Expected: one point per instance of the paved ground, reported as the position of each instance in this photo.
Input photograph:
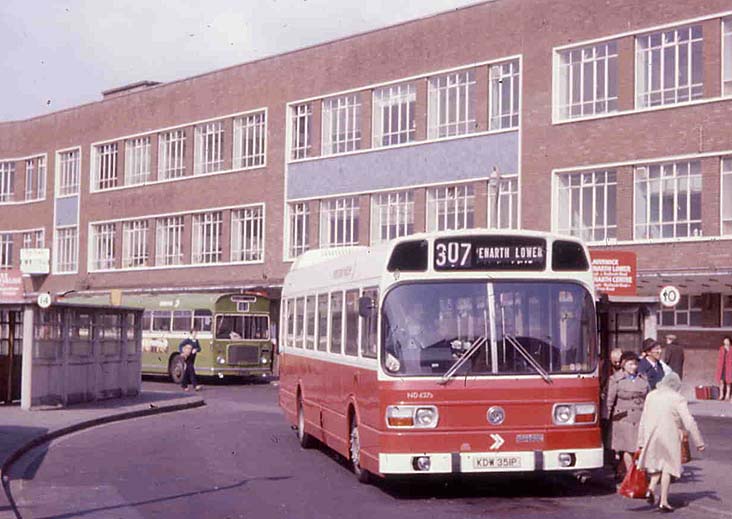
(236, 457)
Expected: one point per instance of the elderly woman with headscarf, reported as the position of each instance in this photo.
(665, 418)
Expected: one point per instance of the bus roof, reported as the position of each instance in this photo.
(168, 301)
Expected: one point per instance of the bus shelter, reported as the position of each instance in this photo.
(68, 353)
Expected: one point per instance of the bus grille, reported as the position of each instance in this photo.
(243, 355)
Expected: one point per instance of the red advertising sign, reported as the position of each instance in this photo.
(614, 272)
(11, 286)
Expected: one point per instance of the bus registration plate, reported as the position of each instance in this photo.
(496, 462)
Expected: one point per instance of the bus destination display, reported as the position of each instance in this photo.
(490, 253)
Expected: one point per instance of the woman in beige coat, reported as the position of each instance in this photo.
(665, 418)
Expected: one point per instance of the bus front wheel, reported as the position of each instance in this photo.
(306, 440)
(176, 368)
(362, 474)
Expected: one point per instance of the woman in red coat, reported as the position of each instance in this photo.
(724, 369)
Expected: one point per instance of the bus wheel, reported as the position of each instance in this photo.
(176, 368)
(362, 474)
(306, 440)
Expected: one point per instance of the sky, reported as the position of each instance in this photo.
(56, 54)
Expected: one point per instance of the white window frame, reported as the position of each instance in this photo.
(247, 234)
(577, 96)
(726, 310)
(727, 56)
(725, 225)
(394, 115)
(250, 140)
(689, 306)
(209, 155)
(301, 117)
(680, 173)
(578, 190)
(341, 124)
(298, 229)
(35, 178)
(505, 95)
(450, 207)
(172, 154)
(34, 239)
(503, 203)
(102, 246)
(169, 240)
(68, 172)
(137, 160)
(6, 250)
(206, 237)
(104, 166)
(7, 181)
(657, 47)
(392, 215)
(66, 250)
(135, 252)
(339, 222)
(451, 101)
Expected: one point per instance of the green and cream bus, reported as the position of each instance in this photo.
(233, 330)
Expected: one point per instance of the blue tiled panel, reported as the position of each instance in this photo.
(67, 209)
(444, 161)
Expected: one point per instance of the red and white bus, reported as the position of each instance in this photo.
(448, 352)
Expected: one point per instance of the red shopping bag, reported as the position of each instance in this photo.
(635, 483)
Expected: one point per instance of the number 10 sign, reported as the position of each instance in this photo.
(670, 296)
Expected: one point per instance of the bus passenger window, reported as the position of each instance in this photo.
(368, 326)
(310, 322)
(290, 326)
(202, 320)
(161, 321)
(182, 320)
(322, 338)
(146, 320)
(299, 321)
(336, 322)
(352, 323)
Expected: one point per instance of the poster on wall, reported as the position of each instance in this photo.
(614, 272)
(11, 286)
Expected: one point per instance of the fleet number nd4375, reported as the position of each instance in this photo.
(417, 395)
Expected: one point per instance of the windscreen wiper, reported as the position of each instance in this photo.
(526, 355)
(480, 341)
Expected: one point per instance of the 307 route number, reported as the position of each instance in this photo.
(453, 254)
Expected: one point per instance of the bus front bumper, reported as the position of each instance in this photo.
(488, 462)
(235, 372)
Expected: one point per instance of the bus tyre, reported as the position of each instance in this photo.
(306, 440)
(354, 448)
(176, 368)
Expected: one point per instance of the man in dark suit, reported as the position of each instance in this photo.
(651, 366)
(673, 355)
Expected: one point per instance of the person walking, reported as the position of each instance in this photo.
(188, 349)
(664, 419)
(724, 369)
(651, 366)
(626, 394)
(673, 355)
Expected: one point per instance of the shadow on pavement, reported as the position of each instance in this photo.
(213, 381)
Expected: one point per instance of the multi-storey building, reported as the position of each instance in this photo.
(610, 121)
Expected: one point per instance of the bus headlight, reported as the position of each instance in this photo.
(264, 359)
(221, 360)
(568, 414)
(411, 416)
(563, 414)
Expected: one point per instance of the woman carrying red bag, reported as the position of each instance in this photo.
(723, 375)
(665, 418)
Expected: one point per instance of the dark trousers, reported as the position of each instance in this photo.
(189, 375)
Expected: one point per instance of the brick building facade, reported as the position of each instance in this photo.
(607, 120)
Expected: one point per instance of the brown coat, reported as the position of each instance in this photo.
(665, 416)
(625, 397)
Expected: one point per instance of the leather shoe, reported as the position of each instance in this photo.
(650, 498)
(666, 509)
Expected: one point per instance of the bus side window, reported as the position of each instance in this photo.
(146, 320)
(336, 322)
(352, 322)
(290, 324)
(202, 320)
(182, 320)
(368, 325)
(299, 320)
(322, 338)
(161, 320)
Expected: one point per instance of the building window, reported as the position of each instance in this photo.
(209, 148)
(339, 222)
(394, 115)
(451, 100)
(103, 237)
(6, 250)
(34, 239)
(450, 208)
(588, 81)
(250, 133)
(727, 310)
(505, 95)
(134, 244)
(503, 203)
(171, 154)
(727, 196)
(35, 179)
(669, 67)
(67, 249)
(206, 244)
(302, 131)
(668, 200)
(7, 181)
(105, 166)
(247, 234)
(69, 168)
(586, 205)
(341, 124)
(169, 240)
(687, 313)
(392, 215)
(727, 58)
(137, 161)
(299, 228)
